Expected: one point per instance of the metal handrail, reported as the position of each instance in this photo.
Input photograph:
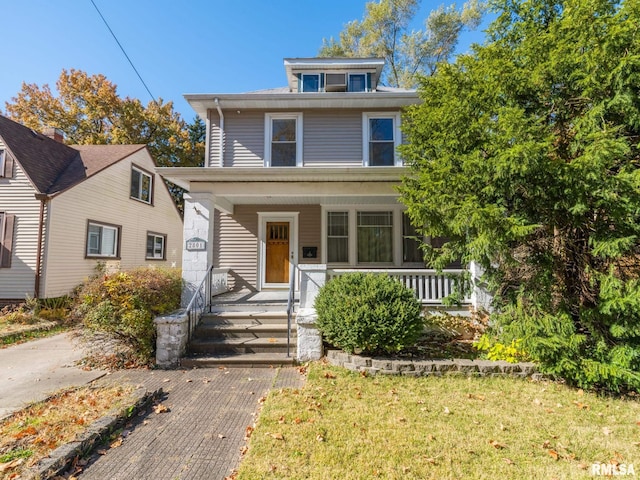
(290, 303)
(199, 301)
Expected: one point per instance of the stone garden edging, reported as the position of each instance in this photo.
(420, 368)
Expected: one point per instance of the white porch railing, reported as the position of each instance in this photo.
(429, 285)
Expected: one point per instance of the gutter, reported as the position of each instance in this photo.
(217, 102)
(43, 197)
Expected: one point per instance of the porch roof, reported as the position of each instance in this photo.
(289, 185)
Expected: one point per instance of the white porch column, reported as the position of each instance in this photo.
(480, 296)
(312, 278)
(198, 224)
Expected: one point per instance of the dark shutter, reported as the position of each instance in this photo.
(8, 165)
(6, 230)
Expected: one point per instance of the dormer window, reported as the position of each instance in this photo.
(310, 82)
(357, 82)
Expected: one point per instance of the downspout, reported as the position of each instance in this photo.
(221, 146)
(43, 200)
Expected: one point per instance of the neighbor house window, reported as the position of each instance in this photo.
(411, 252)
(141, 185)
(381, 137)
(103, 240)
(338, 237)
(6, 164)
(283, 140)
(310, 82)
(156, 246)
(357, 82)
(375, 237)
(6, 238)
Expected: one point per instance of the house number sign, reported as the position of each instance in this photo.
(196, 244)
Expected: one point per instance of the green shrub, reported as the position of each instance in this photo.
(368, 313)
(124, 305)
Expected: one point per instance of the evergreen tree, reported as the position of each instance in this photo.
(525, 155)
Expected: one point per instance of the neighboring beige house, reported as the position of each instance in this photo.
(64, 209)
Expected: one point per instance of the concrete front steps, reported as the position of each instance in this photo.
(248, 336)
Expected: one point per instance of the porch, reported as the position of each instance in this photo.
(276, 327)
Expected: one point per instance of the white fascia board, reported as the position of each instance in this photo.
(201, 103)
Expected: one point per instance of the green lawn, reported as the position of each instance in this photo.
(342, 425)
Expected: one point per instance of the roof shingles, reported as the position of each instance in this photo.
(53, 167)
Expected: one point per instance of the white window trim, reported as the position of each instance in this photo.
(146, 174)
(397, 135)
(353, 233)
(367, 87)
(268, 123)
(3, 155)
(115, 228)
(311, 74)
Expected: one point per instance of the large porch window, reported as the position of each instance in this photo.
(375, 237)
(370, 236)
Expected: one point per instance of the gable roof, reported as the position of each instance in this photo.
(53, 167)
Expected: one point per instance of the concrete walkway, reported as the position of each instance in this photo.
(31, 371)
(201, 435)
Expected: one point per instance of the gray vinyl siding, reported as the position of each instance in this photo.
(17, 198)
(244, 139)
(236, 239)
(332, 139)
(214, 139)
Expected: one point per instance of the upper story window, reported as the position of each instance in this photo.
(381, 137)
(357, 82)
(6, 238)
(6, 164)
(141, 185)
(283, 139)
(310, 82)
(103, 240)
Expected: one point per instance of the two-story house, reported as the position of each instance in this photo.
(64, 209)
(303, 175)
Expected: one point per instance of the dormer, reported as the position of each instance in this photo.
(325, 74)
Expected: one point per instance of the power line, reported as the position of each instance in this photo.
(123, 51)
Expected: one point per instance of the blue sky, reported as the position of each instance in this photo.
(188, 46)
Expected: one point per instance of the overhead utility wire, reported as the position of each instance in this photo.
(123, 51)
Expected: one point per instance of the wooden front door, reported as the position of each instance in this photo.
(277, 255)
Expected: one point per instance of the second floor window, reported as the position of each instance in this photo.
(283, 145)
(381, 137)
(2, 155)
(141, 185)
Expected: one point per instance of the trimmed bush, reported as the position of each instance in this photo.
(368, 314)
(124, 305)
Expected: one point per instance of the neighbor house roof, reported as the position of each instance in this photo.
(53, 167)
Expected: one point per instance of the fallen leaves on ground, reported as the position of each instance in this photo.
(160, 408)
